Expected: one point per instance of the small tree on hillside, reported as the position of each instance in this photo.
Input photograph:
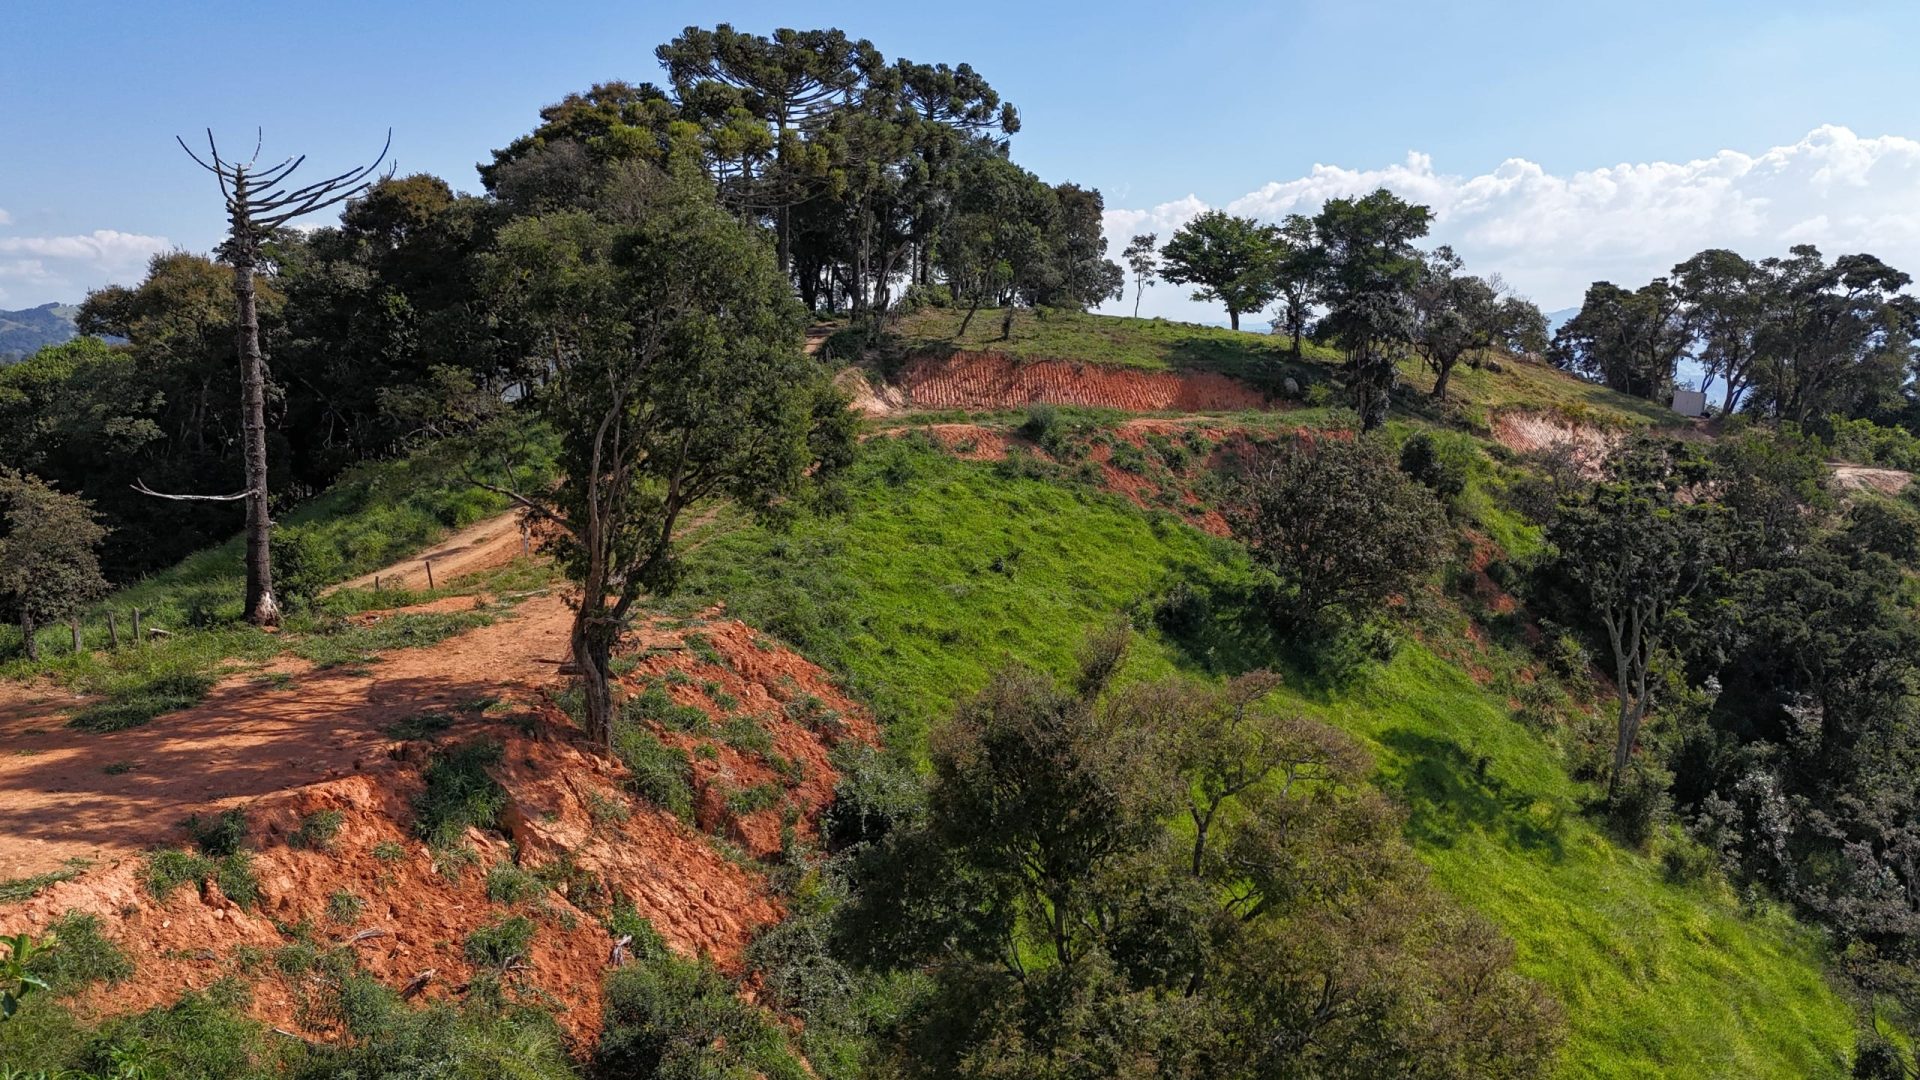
(48, 569)
(1230, 258)
(1143, 258)
(1454, 313)
(1635, 552)
(1370, 271)
(676, 374)
(1339, 525)
(1299, 275)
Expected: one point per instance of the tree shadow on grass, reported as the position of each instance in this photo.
(1448, 790)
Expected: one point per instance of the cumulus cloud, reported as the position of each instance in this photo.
(1550, 235)
(37, 269)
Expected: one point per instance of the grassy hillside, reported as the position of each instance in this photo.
(1156, 344)
(946, 568)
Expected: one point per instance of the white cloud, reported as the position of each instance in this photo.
(5, 218)
(1551, 235)
(64, 268)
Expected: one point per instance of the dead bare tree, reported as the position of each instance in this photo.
(259, 202)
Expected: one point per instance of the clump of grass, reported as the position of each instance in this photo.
(508, 884)
(317, 830)
(119, 768)
(343, 906)
(754, 799)
(745, 734)
(700, 646)
(142, 700)
(500, 943)
(80, 956)
(167, 869)
(219, 834)
(653, 704)
(424, 726)
(17, 889)
(389, 851)
(606, 808)
(660, 773)
(238, 883)
(459, 794)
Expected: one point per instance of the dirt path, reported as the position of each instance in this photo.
(59, 801)
(480, 546)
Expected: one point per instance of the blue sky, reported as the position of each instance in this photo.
(1517, 116)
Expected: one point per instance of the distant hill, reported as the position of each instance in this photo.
(23, 333)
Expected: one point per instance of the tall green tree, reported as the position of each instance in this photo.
(1143, 260)
(1299, 275)
(1371, 269)
(1637, 549)
(1230, 258)
(676, 375)
(1629, 341)
(1842, 338)
(1726, 303)
(1453, 314)
(49, 569)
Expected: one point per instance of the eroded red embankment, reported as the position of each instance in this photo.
(970, 380)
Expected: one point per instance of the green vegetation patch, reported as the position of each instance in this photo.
(459, 793)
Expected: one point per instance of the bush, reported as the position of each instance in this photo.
(304, 562)
(343, 906)
(671, 1017)
(459, 794)
(1440, 466)
(508, 884)
(1641, 807)
(169, 868)
(660, 773)
(877, 794)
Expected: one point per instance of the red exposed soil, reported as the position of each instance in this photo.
(322, 742)
(969, 380)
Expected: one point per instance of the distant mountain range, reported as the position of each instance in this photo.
(23, 333)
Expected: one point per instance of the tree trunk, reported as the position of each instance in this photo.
(592, 654)
(262, 609)
(1138, 292)
(1732, 398)
(968, 321)
(1006, 324)
(27, 634)
(1440, 383)
(1296, 338)
(1233, 318)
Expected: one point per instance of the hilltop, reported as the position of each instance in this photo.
(25, 332)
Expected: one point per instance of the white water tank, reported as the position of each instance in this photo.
(1689, 403)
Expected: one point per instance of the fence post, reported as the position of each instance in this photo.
(429, 563)
(74, 625)
(137, 639)
(113, 631)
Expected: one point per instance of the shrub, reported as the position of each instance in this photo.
(459, 794)
(745, 734)
(1439, 465)
(606, 808)
(671, 1017)
(304, 562)
(389, 851)
(317, 830)
(238, 883)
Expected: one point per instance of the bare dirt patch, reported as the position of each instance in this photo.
(483, 545)
(1864, 478)
(1530, 432)
(969, 380)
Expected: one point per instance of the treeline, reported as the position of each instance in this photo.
(1793, 338)
(1352, 275)
(871, 176)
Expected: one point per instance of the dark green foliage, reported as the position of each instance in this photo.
(344, 907)
(1437, 463)
(1368, 270)
(169, 868)
(80, 956)
(1628, 340)
(656, 705)
(143, 700)
(48, 566)
(666, 1016)
(317, 830)
(17, 889)
(1070, 929)
(660, 773)
(304, 562)
(458, 794)
(217, 835)
(500, 943)
(1338, 525)
(1231, 260)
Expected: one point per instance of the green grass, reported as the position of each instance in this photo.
(944, 569)
(15, 890)
(459, 793)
